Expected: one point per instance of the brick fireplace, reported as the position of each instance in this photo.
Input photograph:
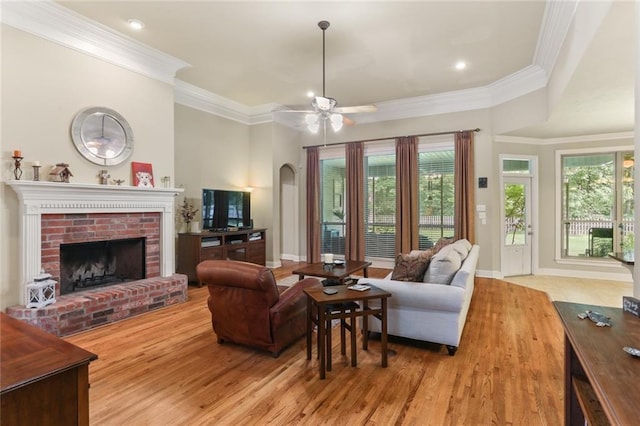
(55, 214)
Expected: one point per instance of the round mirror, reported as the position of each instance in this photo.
(102, 136)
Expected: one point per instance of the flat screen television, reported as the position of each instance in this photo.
(223, 209)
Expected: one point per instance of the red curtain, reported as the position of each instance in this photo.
(313, 205)
(354, 244)
(464, 217)
(407, 218)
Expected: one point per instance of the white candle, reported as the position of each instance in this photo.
(328, 258)
(36, 163)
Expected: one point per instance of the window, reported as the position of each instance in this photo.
(380, 202)
(597, 203)
(332, 212)
(436, 194)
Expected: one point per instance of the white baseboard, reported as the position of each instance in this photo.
(291, 257)
(488, 274)
(274, 264)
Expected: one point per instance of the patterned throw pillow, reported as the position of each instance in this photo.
(411, 268)
(441, 243)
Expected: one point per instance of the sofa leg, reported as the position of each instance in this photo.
(452, 350)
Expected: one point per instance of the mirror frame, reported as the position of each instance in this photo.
(81, 125)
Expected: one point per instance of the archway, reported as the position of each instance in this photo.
(289, 222)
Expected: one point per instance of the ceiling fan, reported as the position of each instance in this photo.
(325, 108)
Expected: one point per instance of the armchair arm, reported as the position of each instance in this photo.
(292, 301)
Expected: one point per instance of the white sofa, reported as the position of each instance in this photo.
(427, 311)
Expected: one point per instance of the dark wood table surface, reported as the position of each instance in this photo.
(42, 377)
(317, 313)
(595, 354)
(337, 272)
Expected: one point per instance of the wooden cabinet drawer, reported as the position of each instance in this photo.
(211, 253)
(256, 253)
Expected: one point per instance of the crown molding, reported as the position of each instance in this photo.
(604, 137)
(556, 22)
(195, 97)
(53, 22)
(520, 83)
(60, 25)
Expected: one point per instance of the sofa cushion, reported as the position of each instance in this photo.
(411, 268)
(443, 266)
(462, 247)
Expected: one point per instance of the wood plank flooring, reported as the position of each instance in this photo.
(165, 368)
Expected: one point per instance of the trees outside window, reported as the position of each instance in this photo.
(435, 196)
(597, 206)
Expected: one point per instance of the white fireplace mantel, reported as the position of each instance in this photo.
(40, 197)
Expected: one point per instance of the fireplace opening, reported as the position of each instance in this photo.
(101, 263)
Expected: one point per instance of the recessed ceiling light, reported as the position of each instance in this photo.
(136, 24)
(310, 94)
(460, 65)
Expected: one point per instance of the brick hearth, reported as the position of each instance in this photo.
(83, 310)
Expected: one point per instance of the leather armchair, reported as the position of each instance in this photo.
(247, 308)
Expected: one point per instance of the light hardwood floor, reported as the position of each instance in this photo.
(578, 290)
(165, 368)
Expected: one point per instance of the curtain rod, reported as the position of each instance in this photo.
(450, 132)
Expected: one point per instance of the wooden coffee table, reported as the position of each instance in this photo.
(333, 272)
(323, 308)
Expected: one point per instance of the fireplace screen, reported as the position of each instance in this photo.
(101, 263)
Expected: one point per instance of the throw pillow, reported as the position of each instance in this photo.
(440, 244)
(411, 268)
(443, 267)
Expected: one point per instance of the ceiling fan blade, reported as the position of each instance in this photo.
(294, 108)
(347, 121)
(356, 109)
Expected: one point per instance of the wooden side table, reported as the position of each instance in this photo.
(321, 311)
(334, 272)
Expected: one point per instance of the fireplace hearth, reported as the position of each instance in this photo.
(101, 263)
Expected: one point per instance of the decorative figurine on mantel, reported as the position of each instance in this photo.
(103, 177)
(61, 173)
(36, 170)
(17, 159)
(118, 181)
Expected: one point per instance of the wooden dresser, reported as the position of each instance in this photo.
(601, 380)
(44, 380)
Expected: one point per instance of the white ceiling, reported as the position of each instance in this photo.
(264, 52)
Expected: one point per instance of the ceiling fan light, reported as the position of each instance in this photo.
(313, 123)
(336, 122)
(324, 104)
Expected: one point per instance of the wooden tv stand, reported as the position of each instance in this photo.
(247, 245)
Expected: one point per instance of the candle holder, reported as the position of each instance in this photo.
(36, 172)
(17, 171)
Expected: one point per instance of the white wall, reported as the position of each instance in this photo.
(44, 85)
(210, 152)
